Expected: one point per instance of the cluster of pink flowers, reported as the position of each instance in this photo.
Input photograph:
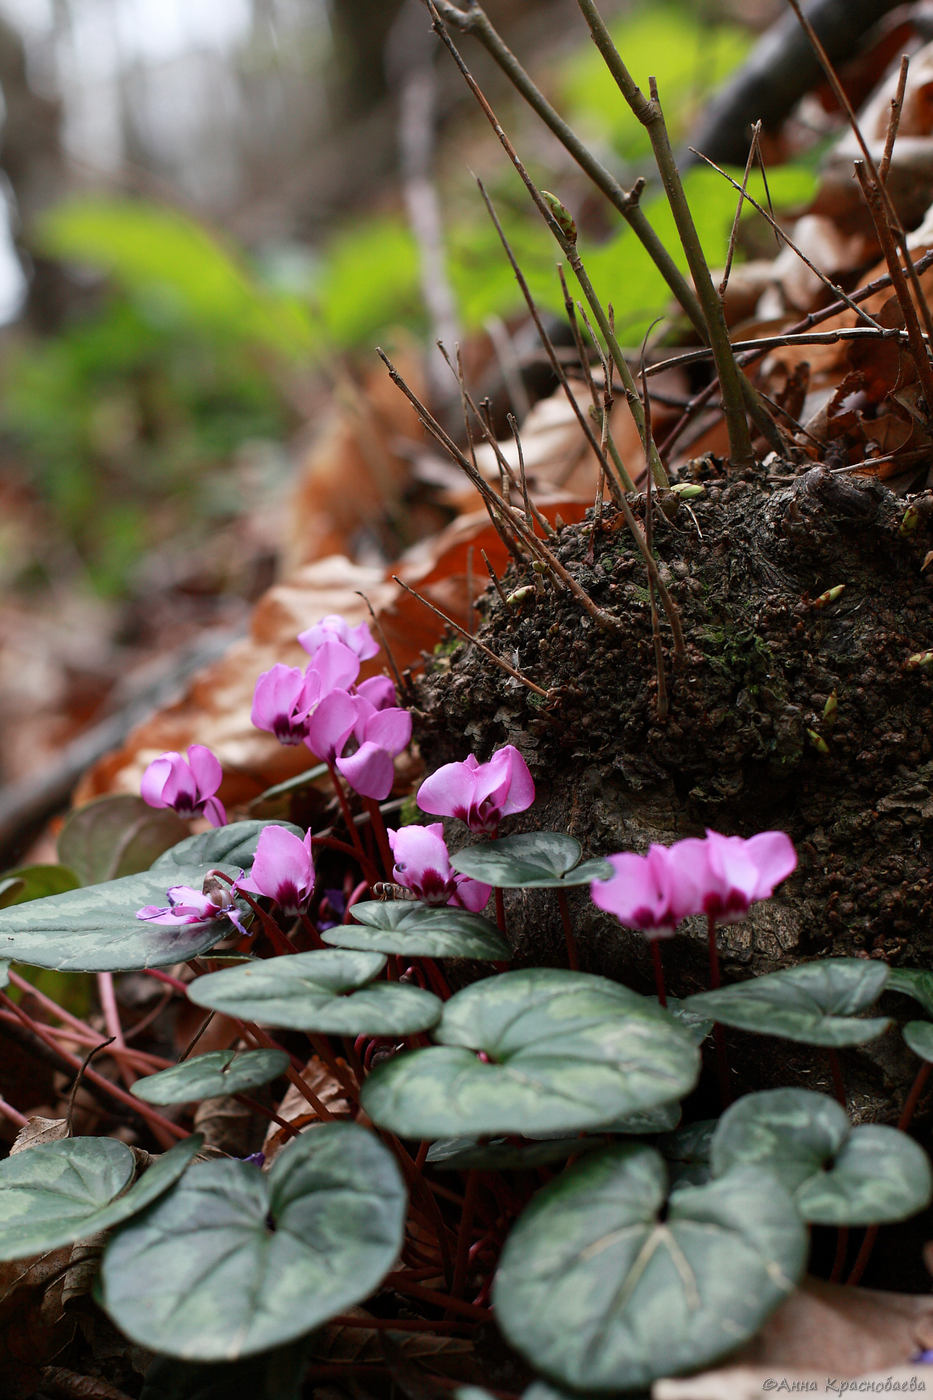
(719, 876)
(357, 728)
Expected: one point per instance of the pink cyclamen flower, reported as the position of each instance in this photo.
(651, 892)
(730, 872)
(282, 870)
(186, 786)
(422, 865)
(334, 627)
(381, 736)
(285, 696)
(480, 794)
(189, 906)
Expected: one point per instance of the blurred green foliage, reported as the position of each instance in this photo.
(126, 415)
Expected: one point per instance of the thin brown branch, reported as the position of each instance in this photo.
(503, 665)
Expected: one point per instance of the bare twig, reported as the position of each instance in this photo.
(503, 665)
(743, 191)
(649, 113)
(894, 120)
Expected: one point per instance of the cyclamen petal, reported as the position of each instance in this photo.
(370, 771)
(379, 691)
(734, 872)
(359, 639)
(336, 666)
(283, 870)
(331, 725)
(480, 794)
(422, 865)
(190, 906)
(282, 701)
(186, 786)
(651, 892)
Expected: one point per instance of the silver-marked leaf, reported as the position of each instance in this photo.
(795, 1132)
(233, 845)
(420, 931)
(919, 1037)
(535, 1051)
(117, 835)
(878, 1176)
(837, 1174)
(324, 991)
(914, 982)
(606, 1283)
(541, 859)
(95, 929)
(35, 882)
(209, 1076)
(235, 1261)
(815, 1003)
(58, 1192)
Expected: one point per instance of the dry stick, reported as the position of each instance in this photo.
(434, 428)
(670, 607)
(874, 198)
(894, 120)
(504, 665)
(896, 227)
(566, 242)
(475, 21)
(601, 411)
(399, 684)
(531, 510)
(743, 191)
(495, 578)
(750, 351)
(505, 513)
(789, 242)
(662, 700)
(648, 111)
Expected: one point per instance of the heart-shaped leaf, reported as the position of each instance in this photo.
(541, 859)
(319, 991)
(837, 1174)
(58, 1192)
(35, 882)
(687, 1152)
(535, 1051)
(815, 1003)
(95, 929)
(209, 1076)
(919, 1037)
(914, 982)
(233, 845)
(420, 931)
(118, 835)
(607, 1284)
(235, 1261)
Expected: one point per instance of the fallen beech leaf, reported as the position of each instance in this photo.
(37, 1131)
(296, 1110)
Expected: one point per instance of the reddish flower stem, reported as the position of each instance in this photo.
(573, 962)
(379, 830)
(164, 1131)
(658, 965)
(719, 1033)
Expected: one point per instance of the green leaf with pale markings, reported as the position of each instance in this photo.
(561, 1051)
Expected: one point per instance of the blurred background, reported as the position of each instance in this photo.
(213, 210)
